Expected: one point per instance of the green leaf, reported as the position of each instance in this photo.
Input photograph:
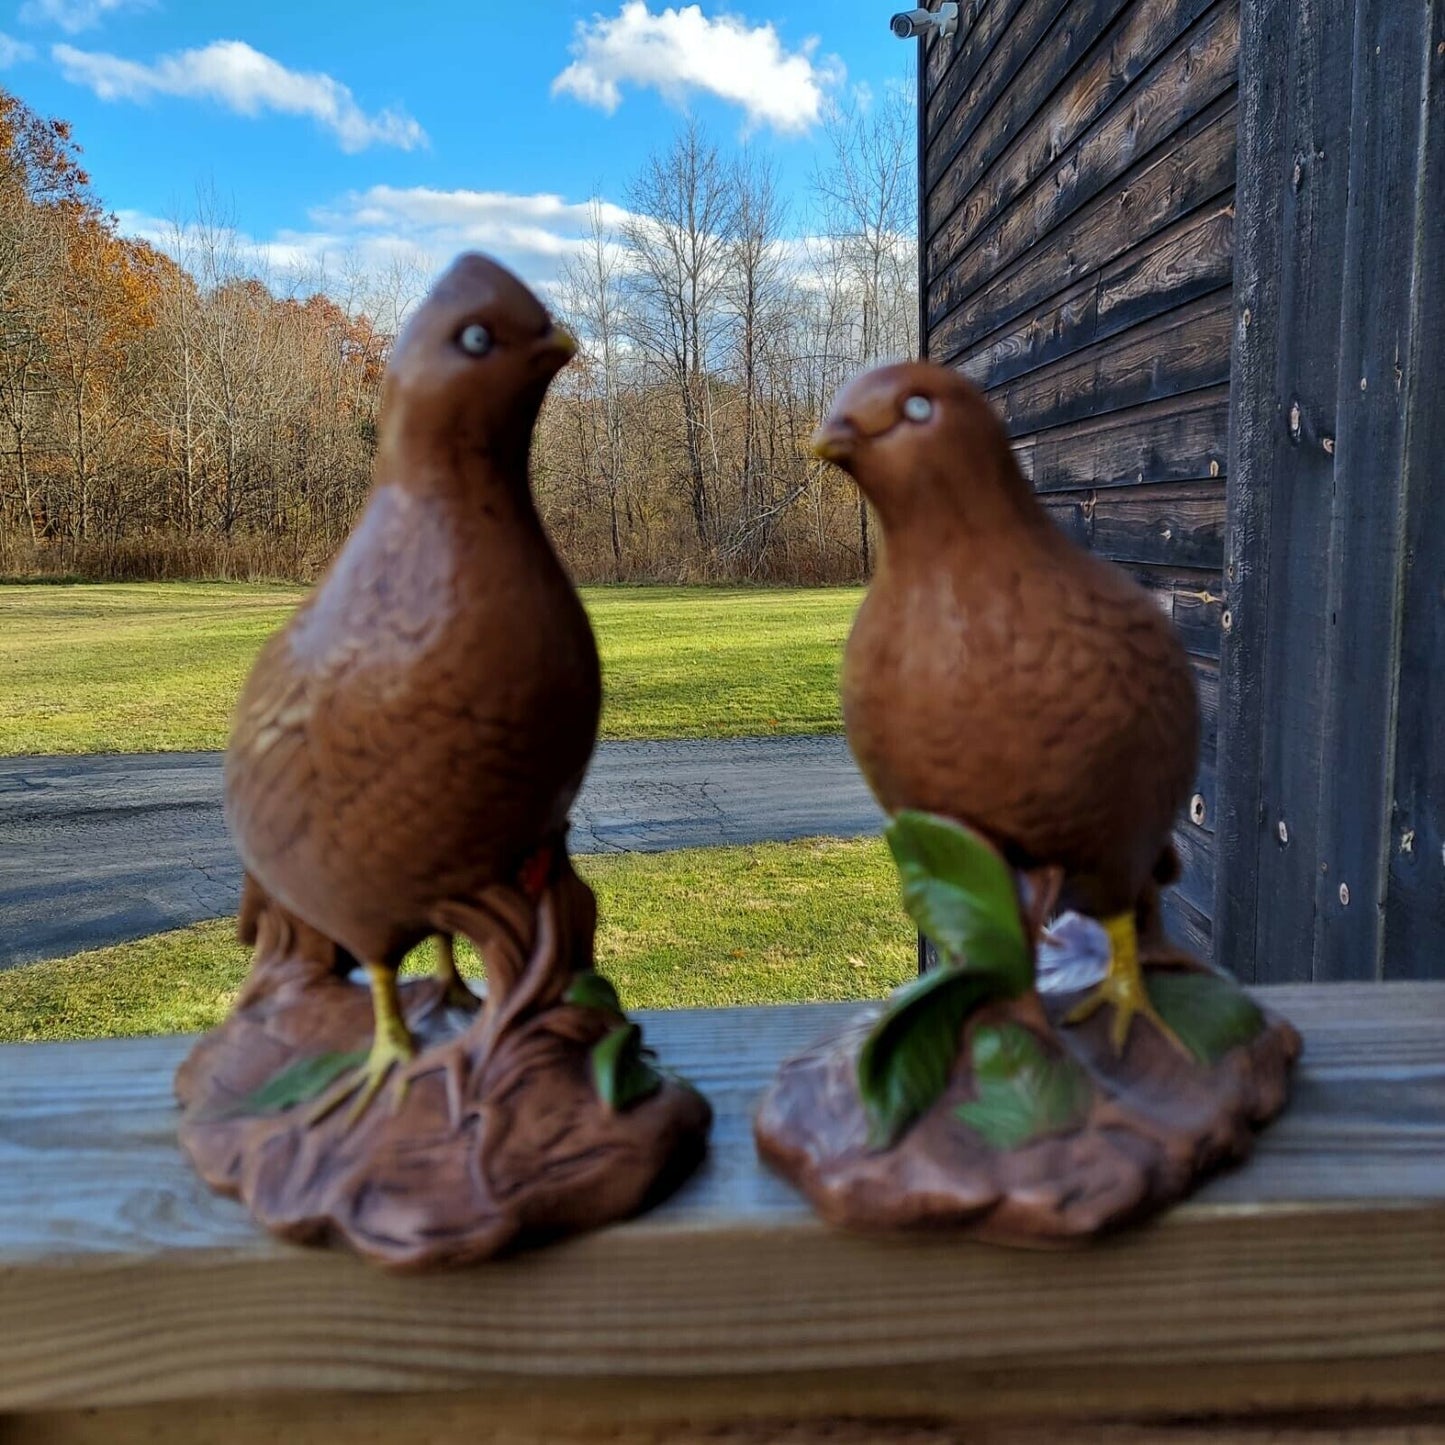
(906, 1060)
(961, 894)
(1210, 1013)
(1022, 1093)
(592, 990)
(622, 1073)
(298, 1083)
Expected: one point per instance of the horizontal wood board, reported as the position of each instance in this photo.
(124, 1281)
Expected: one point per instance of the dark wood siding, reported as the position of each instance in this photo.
(1332, 817)
(1077, 231)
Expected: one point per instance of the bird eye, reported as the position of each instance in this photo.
(475, 339)
(918, 408)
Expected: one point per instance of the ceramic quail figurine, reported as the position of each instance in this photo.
(1028, 717)
(404, 756)
(402, 742)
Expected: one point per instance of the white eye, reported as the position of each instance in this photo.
(475, 339)
(918, 408)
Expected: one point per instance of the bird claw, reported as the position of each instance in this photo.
(1125, 992)
(367, 1082)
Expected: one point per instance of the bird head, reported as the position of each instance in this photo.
(472, 364)
(922, 442)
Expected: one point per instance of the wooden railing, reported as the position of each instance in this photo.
(1308, 1287)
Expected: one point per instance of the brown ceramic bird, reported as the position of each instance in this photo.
(1000, 675)
(419, 729)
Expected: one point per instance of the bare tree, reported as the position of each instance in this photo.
(682, 218)
(869, 193)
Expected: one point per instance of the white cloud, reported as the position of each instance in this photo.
(13, 51)
(242, 79)
(74, 16)
(417, 228)
(680, 50)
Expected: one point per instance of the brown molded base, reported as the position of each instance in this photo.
(494, 1143)
(1154, 1125)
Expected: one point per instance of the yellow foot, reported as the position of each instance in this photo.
(391, 1046)
(1124, 990)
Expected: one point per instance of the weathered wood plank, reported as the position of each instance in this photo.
(1289, 382)
(1272, 128)
(978, 26)
(899, 1407)
(1196, 857)
(1333, 234)
(1189, 261)
(1179, 525)
(1187, 926)
(977, 187)
(1255, 1403)
(1055, 331)
(1178, 439)
(936, 56)
(1192, 600)
(1197, 169)
(1376, 381)
(1184, 351)
(1206, 682)
(126, 1282)
(1194, 73)
(1008, 35)
(1415, 914)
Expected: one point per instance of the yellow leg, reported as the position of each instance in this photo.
(391, 1045)
(457, 991)
(1123, 988)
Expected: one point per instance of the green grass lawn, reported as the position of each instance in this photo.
(776, 923)
(136, 667)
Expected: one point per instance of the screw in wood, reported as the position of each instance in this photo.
(1296, 420)
(1196, 809)
(1283, 830)
(1345, 894)
(1329, 446)
(1227, 621)
(1407, 841)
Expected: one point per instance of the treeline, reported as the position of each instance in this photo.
(172, 414)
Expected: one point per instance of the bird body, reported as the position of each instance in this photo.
(1018, 684)
(419, 729)
(1002, 676)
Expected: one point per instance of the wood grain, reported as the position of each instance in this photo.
(1415, 910)
(1195, 73)
(977, 187)
(1178, 439)
(1184, 351)
(1336, 408)
(909, 1408)
(1195, 169)
(126, 1282)
(1378, 394)
(1006, 66)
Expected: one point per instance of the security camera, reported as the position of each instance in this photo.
(913, 23)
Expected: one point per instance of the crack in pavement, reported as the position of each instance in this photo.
(99, 850)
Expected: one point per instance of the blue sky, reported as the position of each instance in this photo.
(327, 125)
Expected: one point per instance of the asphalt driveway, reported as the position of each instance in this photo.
(98, 850)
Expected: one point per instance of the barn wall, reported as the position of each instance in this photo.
(1077, 194)
(1332, 804)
